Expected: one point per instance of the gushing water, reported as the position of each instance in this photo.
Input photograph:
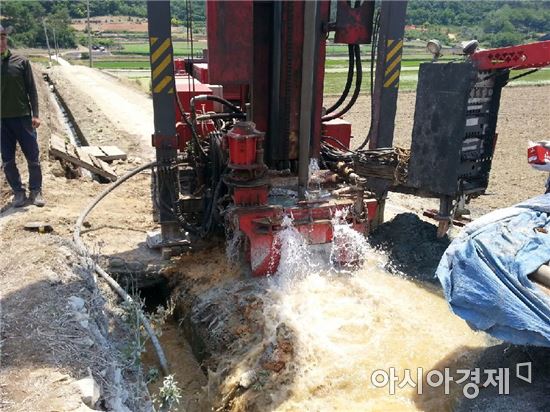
(295, 260)
(349, 325)
(349, 248)
(233, 246)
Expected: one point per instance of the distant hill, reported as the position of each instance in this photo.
(494, 23)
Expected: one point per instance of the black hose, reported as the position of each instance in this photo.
(376, 30)
(194, 134)
(349, 81)
(81, 248)
(213, 116)
(358, 81)
(338, 142)
(214, 99)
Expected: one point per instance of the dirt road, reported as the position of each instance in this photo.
(114, 112)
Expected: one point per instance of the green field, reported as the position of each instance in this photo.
(117, 64)
(180, 48)
(135, 56)
(335, 82)
(42, 60)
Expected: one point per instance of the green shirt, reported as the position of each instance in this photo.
(19, 97)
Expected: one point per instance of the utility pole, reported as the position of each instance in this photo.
(89, 32)
(56, 50)
(47, 41)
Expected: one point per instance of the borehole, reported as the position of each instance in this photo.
(157, 296)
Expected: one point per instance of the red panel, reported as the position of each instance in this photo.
(526, 56)
(179, 66)
(230, 45)
(354, 25)
(200, 72)
(250, 196)
(338, 129)
(260, 225)
(187, 87)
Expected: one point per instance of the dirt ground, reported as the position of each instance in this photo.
(46, 345)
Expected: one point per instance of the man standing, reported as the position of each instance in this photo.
(19, 119)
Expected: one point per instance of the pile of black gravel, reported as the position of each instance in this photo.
(411, 245)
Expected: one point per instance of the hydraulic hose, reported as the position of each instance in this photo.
(218, 99)
(356, 91)
(81, 248)
(376, 30)
(191, 126)
(213, 116)
(349, 81)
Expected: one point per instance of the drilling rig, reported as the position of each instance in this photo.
(243, 137)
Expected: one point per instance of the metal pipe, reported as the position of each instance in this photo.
(274, 121)
(306, 104)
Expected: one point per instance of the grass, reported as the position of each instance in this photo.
(42, 60)
(335, 82)
(129, 64)
(180, 48)
(539, 76)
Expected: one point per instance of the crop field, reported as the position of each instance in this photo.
(134, 56)
(180, 48)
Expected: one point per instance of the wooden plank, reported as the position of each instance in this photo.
(106, 153)
(78, 157)
(93, 151)
(57, 142)
(113, 153)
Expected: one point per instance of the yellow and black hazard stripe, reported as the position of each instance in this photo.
(161, 61)
(393, 63)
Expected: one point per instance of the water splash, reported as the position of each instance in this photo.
(349, 248)
(295, 258)
(234, 244)
(314, 190)
(346, 327)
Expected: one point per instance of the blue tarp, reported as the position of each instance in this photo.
(484, 273)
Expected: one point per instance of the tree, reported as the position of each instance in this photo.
(26, 18)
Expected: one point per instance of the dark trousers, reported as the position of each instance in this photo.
(19, 130)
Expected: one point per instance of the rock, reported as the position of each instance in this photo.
(66, 252)
(83, 408)
(85, 341)
(136, 267)
(76, 303)
(57, 169)
(247, 379)
(116, 263)
(52, 277)
(89, 390)
(82, 319)
(277, 355)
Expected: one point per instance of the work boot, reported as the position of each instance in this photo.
(19, 198)
(36, 198)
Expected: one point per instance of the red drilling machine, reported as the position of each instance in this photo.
(243, 137)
